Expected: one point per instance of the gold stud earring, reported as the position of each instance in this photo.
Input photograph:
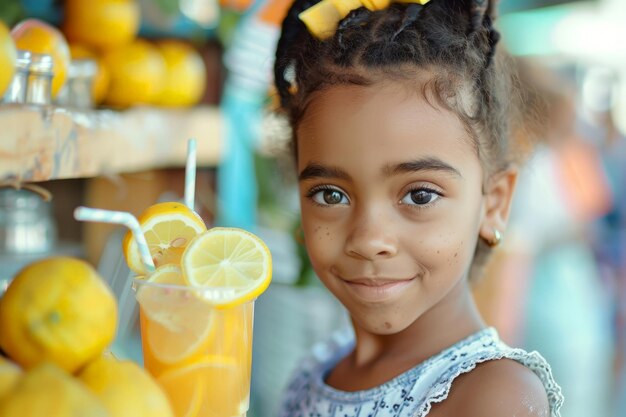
(495, 241)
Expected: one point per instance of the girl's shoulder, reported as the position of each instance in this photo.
(485, 371)
(497, 388)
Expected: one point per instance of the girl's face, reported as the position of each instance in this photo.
(391, 200)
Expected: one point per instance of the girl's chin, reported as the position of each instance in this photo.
(380, 326)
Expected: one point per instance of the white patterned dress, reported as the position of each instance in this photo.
(410, 394)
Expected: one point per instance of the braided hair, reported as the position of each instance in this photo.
(453, 40)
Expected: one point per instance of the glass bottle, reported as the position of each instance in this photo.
(16, 93)
(39, 89)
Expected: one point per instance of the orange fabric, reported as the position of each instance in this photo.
(275, 11)
(584, 181)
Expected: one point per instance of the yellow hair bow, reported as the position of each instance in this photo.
(323, 18)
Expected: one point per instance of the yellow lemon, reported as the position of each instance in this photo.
(168, 228)
(8, 56)
(39, 37)
(137, 73)
(231, 265)
(101, 80)
(186, 74)
(9, 374)
(125, 389)
(79, 51)
(102, 23)
(57, 310)
(47, 390)
(177, 326)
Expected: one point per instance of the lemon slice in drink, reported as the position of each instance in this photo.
(177, 325)
(232, 266)
(168, 228)
(185, 395)
(215, 386)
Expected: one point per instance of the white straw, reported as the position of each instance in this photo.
(88, 214)
(190, 174)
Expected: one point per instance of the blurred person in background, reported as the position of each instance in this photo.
(553, 298)
(598, 103)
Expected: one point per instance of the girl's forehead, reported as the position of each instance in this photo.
(382, 118)
(354, 105)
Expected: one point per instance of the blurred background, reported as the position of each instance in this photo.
(105, 120)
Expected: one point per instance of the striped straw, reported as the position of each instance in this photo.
(190, 174)
(88, 214)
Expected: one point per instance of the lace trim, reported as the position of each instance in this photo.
(327, 361)
(533, 360)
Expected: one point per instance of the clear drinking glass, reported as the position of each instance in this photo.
(201, 355)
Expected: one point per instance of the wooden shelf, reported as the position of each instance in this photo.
(46, 143)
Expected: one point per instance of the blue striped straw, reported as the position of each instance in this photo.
(190, 174)
(88, 214)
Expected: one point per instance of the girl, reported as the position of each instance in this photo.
(400, 115)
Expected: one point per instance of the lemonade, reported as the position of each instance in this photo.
(212, 378)
(197, 321)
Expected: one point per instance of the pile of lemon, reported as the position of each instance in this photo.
(131, 71)
(57, 319)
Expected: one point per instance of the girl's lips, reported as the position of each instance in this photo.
(377, 290)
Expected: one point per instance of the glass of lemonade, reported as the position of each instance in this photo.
(196, 320)
(200, 354)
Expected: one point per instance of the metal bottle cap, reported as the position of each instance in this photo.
(41, 64)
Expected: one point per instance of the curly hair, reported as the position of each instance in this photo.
(446, 49)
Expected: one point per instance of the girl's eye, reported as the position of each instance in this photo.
(328, 197)
(420, 197)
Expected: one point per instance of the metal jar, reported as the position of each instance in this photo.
(26, 223)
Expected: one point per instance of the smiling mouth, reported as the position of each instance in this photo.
(377, 289)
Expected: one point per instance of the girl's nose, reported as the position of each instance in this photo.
(371, 238)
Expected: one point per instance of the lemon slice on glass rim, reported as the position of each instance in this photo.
(227, 266)
(168, 228)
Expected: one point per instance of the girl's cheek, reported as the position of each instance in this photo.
(436, 251)
(320, 242)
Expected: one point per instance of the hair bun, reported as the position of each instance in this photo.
(292, 30)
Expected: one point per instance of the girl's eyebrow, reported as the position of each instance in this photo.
(422, 164)
(315, 170)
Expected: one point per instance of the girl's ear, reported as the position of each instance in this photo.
(498, 198)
